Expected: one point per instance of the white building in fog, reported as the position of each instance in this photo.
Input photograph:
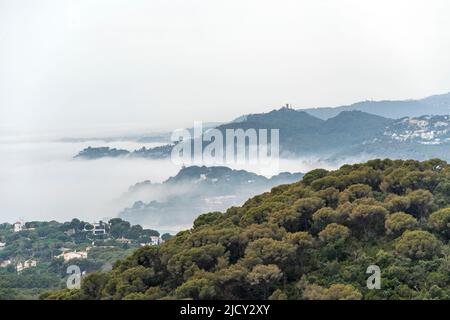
(18, 226)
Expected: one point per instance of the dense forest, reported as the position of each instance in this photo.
(313, 239)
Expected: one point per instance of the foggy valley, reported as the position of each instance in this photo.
(40, 180)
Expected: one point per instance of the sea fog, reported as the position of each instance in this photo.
(41, 180)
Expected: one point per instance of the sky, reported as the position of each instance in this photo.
(75, 67)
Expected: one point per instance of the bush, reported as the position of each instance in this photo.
(399, 222)
(418, 245)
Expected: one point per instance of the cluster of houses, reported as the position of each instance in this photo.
(69, 255)
(98, 230)
(19, 265)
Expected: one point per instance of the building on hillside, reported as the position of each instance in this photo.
(124, 240)
(154, 241)
(72, 255)
(5, 263)
(25, 265)
(70, 232)
(18, 226)
(2, 245)
(99, 229)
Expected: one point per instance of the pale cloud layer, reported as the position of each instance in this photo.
(105, 65)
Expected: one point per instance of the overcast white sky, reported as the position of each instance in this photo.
(75, 66)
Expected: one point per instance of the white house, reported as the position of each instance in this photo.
(2, 245)
(18, 226)
(5, 263)
(25, 265)
(67, 256)
(99, 229)
(154, 241)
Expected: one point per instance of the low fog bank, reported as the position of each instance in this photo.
(176, 203)
(40, 180)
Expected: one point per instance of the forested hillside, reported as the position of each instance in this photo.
(313, 239)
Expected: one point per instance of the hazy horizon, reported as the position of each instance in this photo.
(83, 67)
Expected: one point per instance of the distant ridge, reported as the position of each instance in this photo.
(415, 129)
(305, 134)
(433, 105)
(196, 189)
(349, 134)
